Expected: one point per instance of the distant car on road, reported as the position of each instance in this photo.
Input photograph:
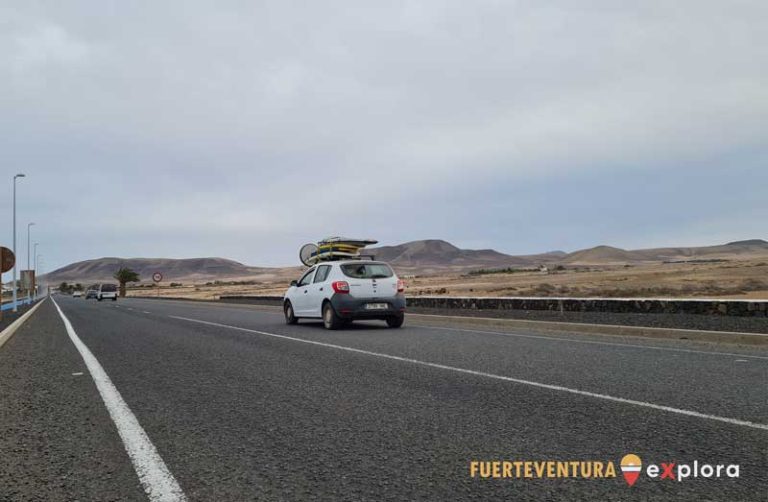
(91, 292)
(77, 294)
(106, 292)
(339, 292)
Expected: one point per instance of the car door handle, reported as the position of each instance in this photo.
(305, 291)
(321, 289)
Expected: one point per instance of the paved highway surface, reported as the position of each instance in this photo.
(161, 400)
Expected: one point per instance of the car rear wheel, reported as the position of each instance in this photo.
(290, 317)
(395, 321)
(330, 319)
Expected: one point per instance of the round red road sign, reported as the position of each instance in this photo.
(157, 277)
(7, 259)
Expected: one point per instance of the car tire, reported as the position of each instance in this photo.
(99, 298)
(290, 317)
(330, 319)
(395, 321)
(114, 299)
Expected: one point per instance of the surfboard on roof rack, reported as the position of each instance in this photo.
(333, 248)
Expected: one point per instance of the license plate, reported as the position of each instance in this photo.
(375, 306)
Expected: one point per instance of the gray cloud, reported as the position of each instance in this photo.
(244, 128)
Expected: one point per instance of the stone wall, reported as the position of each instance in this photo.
(745, 308)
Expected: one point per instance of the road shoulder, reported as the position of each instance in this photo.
(57, 439)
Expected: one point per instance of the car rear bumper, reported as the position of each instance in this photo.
(349, 307)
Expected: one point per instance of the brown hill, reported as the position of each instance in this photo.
(439, 253)
(603, 255)
(192, 269)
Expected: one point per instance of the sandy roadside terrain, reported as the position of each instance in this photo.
(746, 278)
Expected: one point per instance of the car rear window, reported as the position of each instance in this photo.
(367, 270)
(109, 287)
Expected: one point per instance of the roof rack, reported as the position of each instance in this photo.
(334, 249)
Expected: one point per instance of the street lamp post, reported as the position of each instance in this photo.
(34, 254)
(41, 264)
(38, 262)
(29, 228)
(15, 300)
(29, 289)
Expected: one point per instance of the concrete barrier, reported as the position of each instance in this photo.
(742, 308)
(252, 300)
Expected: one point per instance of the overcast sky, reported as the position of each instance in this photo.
(243, 129)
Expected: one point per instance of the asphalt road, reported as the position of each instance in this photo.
(226, 402)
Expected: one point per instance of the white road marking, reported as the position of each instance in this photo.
(670, 409)
(594, 342)
(154, 475)
(543, 337)
(145, 312)
(79, 373)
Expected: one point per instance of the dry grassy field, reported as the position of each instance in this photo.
(746, 278)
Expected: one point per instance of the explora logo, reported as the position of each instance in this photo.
(632, 466)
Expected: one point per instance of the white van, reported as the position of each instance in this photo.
(106, 292)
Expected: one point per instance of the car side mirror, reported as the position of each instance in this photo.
(294, 283)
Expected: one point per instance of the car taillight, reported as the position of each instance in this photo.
(400, 286)
(340, 286)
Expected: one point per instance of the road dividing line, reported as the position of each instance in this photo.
(154, 476)
(659, 407)
(592, 342)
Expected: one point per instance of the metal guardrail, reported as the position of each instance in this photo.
(20, 302)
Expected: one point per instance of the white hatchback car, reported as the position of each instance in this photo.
(339, 292)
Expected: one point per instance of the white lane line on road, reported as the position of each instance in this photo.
(145, 312)
(521, 335)
(593, 342)
(670, 409)
(154, 475)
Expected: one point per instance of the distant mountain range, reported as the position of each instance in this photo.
(606, 255)
(424, 257)
(437, 254)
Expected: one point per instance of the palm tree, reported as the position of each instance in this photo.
(123, 276)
